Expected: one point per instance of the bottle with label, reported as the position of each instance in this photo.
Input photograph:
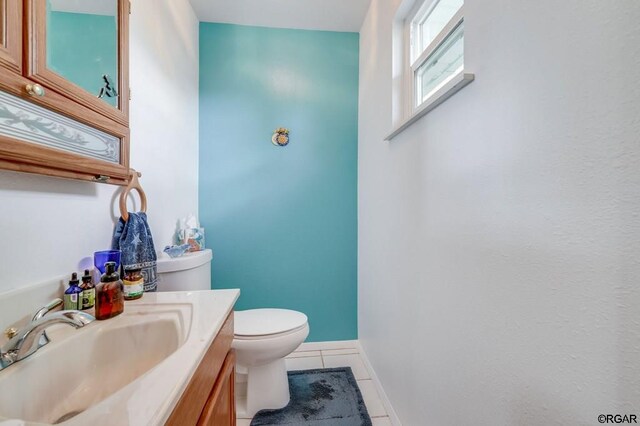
(133, 284)
(88, 290)
(109, 294)
(73, 295)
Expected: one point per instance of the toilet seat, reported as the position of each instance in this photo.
(271, 336)
(255, 324)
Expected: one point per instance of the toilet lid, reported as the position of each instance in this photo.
(263, 322)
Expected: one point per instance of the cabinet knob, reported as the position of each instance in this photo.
(35, 90)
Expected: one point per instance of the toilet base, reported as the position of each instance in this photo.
(261, 369)
(267, 387)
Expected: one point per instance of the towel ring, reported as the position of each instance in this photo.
(134, 183)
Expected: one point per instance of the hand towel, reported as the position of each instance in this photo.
(133, 238)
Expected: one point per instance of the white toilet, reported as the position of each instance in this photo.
(262, 340)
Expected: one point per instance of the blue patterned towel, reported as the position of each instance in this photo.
(133, 238)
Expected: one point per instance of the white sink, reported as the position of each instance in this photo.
(128, 370)
(80, 368)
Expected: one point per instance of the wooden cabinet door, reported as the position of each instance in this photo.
(11, 35)
(220, 408)
(207, 382)
(39, 16)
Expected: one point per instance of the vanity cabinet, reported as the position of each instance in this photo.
(209, 398)
(64, 88)
(220, 407)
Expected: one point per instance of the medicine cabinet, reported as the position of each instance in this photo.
(64, 89)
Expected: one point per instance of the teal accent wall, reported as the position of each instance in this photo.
(82, 48)
(282, 221)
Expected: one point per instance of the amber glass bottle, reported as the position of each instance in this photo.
(133, 284)
(109, 294)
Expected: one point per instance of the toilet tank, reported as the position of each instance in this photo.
(185, 273)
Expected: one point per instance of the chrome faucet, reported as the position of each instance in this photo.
(31, 337)
(44, 339)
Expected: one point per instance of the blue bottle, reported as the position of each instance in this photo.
(73, 295)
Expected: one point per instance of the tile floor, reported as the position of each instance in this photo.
(305, 360)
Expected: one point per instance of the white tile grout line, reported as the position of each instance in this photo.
(391, 413)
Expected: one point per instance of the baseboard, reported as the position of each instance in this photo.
(393, 417)
(325, 346)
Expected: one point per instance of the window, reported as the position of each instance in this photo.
(436, 34)
(446, 61)
(432, 59)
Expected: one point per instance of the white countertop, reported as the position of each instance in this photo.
(150, 399)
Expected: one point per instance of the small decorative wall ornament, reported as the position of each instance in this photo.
(280, 137)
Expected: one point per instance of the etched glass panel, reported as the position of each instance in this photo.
(82, 44)
(29, 122)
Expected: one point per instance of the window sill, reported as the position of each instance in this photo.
(445, 92)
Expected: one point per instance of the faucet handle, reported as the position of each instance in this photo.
(53, 304)
(46, 308)
(10, 332)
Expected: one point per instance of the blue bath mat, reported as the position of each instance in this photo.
(323, 397)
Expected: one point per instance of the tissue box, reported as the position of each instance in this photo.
(192, 236)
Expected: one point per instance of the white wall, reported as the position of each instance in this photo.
(164, 116)
(48, 225)
(499, 235)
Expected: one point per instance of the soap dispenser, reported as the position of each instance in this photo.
(109, 294)
(73, 295)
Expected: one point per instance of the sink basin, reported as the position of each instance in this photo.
(130, 370)
(80, 368)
